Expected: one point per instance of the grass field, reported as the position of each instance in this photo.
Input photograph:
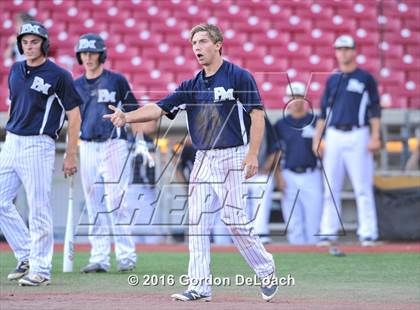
(363, 280)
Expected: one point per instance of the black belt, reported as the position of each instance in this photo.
(346, 127)
(302, 169)
(95, 140)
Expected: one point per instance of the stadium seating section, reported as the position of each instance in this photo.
(277, 40)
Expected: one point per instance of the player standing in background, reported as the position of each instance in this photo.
(300, 179)
(226, 124)
(349, 105)
(104, 158)
(261, 185)
(41, 95)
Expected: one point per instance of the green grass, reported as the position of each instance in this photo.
(364, 277)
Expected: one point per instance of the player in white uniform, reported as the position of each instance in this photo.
(41, 95)
(300, 177)
(105, 162)
(349, 106)
(226, 125)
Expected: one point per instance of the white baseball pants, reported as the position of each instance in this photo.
(347, 151)
(302, 205)
(105, 169)
(28, 160)
(217, 175)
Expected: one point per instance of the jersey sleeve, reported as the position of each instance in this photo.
(324, 102)
(278, 136)
(66, 91)
(128, 100)
(374, 104)
(247, 92)
(272, 145)
(174, 102)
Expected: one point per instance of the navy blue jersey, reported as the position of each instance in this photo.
(39, 97)
(295, 137)
(109, 88)
(217, 107)
(350, 99)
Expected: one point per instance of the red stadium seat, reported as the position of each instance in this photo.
(20, 6)
(71, 15)
(358, 11)
(270, 38)
(135, 65)
(404, 36)
(266, 64)
(132, 5)
(272, 13)
(89, 5)
(316, 11)
(316, 37)
(51, 5)
(407, 62)
(292, 50)
(313, 64)
(389, 77)
(337, 24)
(412, 24)
(294, 24)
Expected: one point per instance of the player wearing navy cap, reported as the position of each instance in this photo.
(300, 178)
(226, 125)
(42, 94)
(349, 105)
(105, 165)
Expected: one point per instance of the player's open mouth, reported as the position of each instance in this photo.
(199, 56)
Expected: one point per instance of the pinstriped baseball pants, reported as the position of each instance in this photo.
(217, 177)
(105, 172)
(28, 160)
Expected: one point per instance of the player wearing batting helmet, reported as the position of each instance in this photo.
(103, 157)
(42, 94)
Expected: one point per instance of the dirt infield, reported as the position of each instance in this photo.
(347, 295)
(21, 300)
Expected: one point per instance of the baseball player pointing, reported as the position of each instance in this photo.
(226, 124)
(42, 95)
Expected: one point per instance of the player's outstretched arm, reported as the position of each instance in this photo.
(250, 163)
(70, 159)
(146, 113)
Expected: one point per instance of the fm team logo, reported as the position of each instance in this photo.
(220, 94)
(40, 86)
(355, 86)
(85, 43)
(28, 28)
(106, 96)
